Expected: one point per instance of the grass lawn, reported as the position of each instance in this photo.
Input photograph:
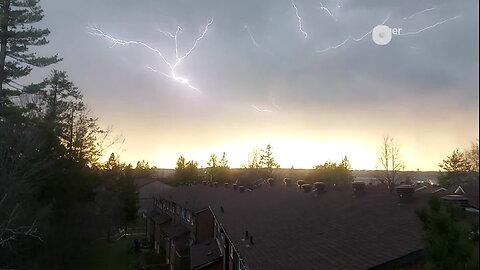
(112, 255)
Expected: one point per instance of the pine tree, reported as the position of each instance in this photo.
(451, 236)
(267, 161)
(224, 161)
(213, 162)
(17, 35)
(455, 169)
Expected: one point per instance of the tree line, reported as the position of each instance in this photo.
(262, 163)
(460, 167)
(56, 196)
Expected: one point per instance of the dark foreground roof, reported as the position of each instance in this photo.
(161, 218)
(175, 230)
(204, 254)
(197, 197)
(296, 230)
(335, 230)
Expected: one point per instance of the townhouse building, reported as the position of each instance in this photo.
(282, 227)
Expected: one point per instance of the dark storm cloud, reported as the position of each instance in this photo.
(227, 61)
(357, 88)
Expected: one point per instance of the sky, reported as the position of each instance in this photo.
(274, 72)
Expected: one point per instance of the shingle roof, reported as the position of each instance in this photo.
(294, 230)
(335, 230)
(161, 218)
(196, 197)
(204, 253)
(140, 182)
(175, 230)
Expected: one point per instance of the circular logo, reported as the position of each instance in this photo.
(382, 34)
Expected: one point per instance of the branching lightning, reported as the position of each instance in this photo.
(171, 65)
(300, 26)
(352, 38)
(261, 109)
(429, 27)
(251, 36)
(344, 42)
(418, 13)
(327, 10)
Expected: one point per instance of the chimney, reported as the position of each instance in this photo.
(288, 182)
(235, 186)
(241, 188)
(226, 185)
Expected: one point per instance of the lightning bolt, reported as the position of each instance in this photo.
(251, 36)
(418, 13)
(429, 27)
(344, 42)
(349, 38)
(172, 65)
(261, 109)
(327, 10)
(300, 26)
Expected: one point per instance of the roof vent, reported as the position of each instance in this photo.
(246, 236)
(226, 185)
(241, 188)
(287, 182)
(405, 191)
(271, 182)
(235, 186)
(204, 183)
(460, 200)
(250, 243)
(300, 183)
(358, 187)
(319, 187)
(306, 188)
